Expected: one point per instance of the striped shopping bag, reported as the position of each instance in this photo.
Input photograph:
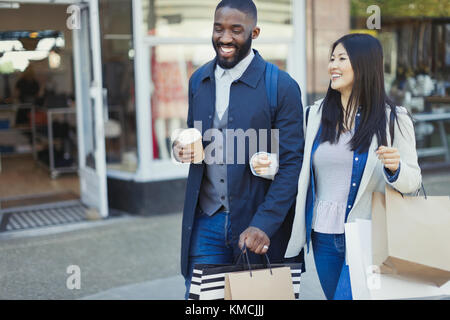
(208, 280)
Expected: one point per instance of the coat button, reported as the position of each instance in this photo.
(210, 116)
(231, 119)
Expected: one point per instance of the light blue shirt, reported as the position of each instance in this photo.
(224, 79)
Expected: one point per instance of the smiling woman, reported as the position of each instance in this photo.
(341, 72)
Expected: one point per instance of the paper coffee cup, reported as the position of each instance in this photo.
(192, 138)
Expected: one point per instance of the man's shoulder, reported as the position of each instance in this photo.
(285, 79)
(287, 84)
(197, 74)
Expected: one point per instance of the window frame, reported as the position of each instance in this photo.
(150, 169)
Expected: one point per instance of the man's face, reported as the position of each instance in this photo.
(232, 36)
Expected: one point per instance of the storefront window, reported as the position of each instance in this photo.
(415, 37)
(171, 65)
(118, 80)
(276, 54)
(171, 68)
(194, 18)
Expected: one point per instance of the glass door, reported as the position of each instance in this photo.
(90, 108)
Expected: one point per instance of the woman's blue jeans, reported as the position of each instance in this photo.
(211, 242)
(329, 256)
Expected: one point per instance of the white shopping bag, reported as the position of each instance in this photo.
(367, 283)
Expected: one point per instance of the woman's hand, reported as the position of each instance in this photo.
(261, 164)
(390, 157)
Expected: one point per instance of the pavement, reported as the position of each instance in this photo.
(122, 258)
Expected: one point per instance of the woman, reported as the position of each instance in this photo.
(348, 155)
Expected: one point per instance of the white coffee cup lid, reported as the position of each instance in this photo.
(189, 136)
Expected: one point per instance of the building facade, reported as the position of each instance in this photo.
(128, 62)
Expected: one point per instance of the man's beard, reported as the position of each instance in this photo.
(241, 53)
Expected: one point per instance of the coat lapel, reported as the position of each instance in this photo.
(371, 163)
(315, 116)
(207, 98)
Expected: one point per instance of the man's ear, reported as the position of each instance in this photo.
(255, 32)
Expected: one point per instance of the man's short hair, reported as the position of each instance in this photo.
(246, 6)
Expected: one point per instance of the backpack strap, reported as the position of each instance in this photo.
(271, 80)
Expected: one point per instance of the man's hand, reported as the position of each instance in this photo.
(255, 240)
(182, 154)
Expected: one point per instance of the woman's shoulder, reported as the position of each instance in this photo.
(398, 110)
(404, 118)
(316, 104)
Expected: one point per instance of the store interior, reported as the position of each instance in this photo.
(38, 128)
(416, 44)
(38, 140)
(38, 125)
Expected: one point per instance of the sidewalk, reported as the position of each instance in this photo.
(119, 259)
(172, 288)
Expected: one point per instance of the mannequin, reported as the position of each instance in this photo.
(169, 99)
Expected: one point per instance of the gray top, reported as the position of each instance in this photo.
(333, 164)
(213, 190)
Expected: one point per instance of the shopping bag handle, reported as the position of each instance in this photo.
(268, 263)
(418, 191)
(244, 254)
(423, 189)
(246, 259)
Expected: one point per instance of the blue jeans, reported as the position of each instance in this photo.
(211, 242)
(329, 256)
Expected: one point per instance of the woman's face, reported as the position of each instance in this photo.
(340, 70)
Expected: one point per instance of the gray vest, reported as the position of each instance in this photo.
(213, 190)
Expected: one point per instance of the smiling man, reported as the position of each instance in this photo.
(226, 206)
(232, 47)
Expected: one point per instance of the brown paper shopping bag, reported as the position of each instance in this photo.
(264, 284)
(411, 235)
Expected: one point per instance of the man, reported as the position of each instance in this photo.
(226, 206)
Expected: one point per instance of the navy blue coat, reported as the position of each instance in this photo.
(254, 201)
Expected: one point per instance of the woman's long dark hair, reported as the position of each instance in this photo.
(366, 57)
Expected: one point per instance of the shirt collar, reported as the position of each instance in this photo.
(238, 70)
